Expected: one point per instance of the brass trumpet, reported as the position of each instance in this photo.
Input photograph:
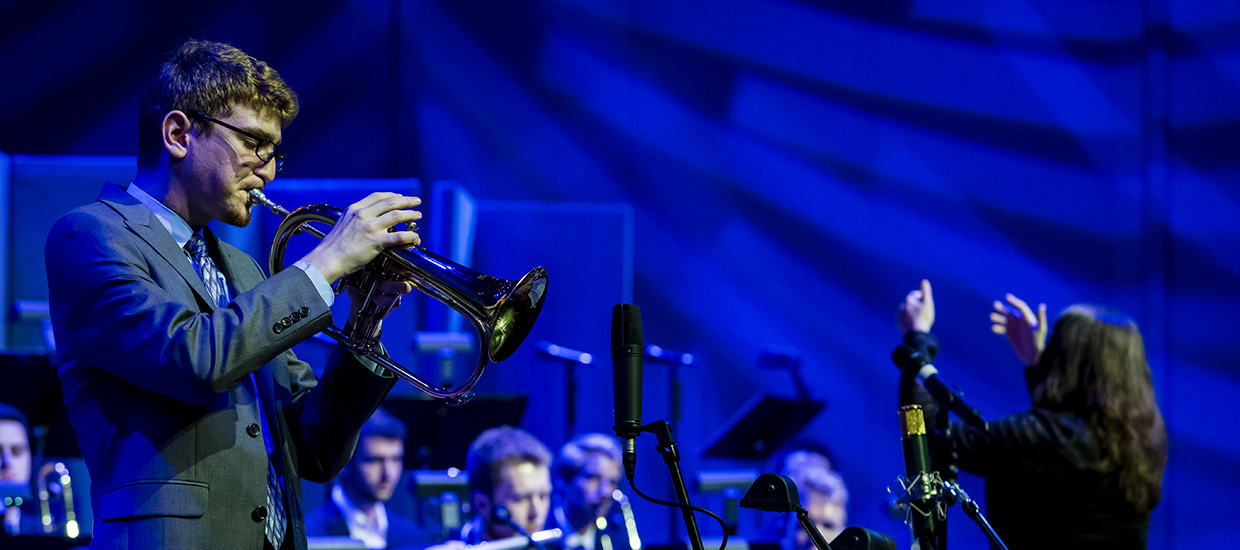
(61, 487)
(502, 311)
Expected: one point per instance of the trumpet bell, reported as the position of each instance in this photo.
(507, 309)
(517, 314)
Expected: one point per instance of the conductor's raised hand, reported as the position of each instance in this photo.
(1025, 333)
(917, 310)
(363, 232)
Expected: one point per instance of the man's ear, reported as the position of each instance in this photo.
(175, 132)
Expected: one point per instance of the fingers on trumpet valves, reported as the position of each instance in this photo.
(409, 226)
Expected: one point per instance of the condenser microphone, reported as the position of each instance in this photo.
(928, 376)
(627, 353)
(917, 470)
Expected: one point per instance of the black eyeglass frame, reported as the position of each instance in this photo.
(275, 149)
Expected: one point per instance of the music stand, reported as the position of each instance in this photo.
(439, 435)
(761, 426)
(31, 385)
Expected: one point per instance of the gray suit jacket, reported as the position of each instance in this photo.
(153, 370)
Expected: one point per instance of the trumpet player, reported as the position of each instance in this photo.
(195, 419)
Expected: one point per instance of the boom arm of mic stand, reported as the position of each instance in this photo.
(667, 448)
(970, 507)
(812, 530)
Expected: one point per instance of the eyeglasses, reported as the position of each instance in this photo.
(264, 148)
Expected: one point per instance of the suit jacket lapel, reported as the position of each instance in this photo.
(146, 226)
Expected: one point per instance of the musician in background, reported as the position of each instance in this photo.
(792, 456)
(587, 475)
(800, 453)
(356, 507)
(1083, 467)
(15, 468)
(508, 467)
(823, 495)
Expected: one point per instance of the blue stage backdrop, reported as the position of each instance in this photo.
(793, 169)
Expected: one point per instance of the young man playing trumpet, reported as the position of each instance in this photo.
(194, 418)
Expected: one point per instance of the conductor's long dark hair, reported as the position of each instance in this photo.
(1095, 366)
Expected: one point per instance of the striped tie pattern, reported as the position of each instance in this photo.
(217, 287)
(211, 277)
(275, 503)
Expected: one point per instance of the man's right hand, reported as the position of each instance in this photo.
(362, 233)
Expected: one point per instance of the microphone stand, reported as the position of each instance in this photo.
(955, 493)
(571, 359)
(943, 460)
(674, 361)
(815, 535)
(667, 447)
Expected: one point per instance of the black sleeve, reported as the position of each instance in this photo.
(910, 391)
(1035, 442)
(924, 342)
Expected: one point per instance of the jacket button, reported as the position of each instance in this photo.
(286, 322)
(259, 514)
(253, 430)
(296, 316)
(277, 328)
(305, 311)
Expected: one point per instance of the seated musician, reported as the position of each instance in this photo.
(587, 476)
(510, 468)
(510, 489)
(356, 507)
(822, 493)
(18, 509)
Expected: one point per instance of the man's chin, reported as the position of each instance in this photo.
(239, 219)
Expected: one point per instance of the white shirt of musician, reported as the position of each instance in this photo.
(372, 531)
(584, 541)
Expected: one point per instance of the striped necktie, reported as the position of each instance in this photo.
(218, 288)
(210, 275)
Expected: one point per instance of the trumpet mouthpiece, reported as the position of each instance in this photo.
(262, 199)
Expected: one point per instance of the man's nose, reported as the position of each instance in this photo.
(392, 470)
(267, 171)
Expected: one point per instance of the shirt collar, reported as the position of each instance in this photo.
(360, 525)
(177, 227)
